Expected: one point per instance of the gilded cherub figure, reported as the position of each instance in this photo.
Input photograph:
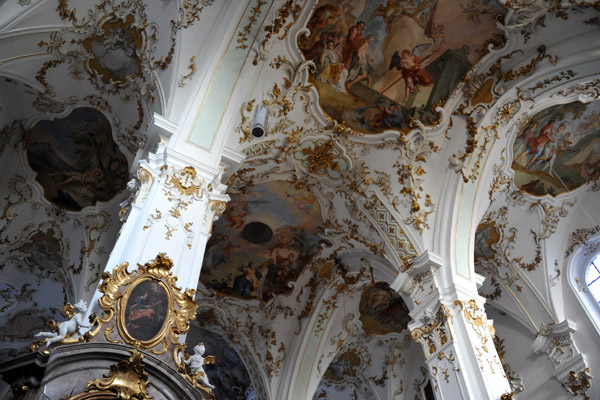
(68, 328)
(196, 364)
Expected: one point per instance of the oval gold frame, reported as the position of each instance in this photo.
(122, 305)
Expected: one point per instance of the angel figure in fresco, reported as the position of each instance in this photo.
(345, 20)
(196, 364)
(246, 282)
(409, 63)
(389, 117)
(235, 217)
(93, 177)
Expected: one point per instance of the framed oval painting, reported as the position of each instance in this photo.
(145, 312)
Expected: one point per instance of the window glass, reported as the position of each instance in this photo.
(592, 277)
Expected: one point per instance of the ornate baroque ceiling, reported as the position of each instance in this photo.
(469, 129)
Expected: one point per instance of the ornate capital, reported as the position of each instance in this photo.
(422, 287)
(569, 364)
(431, 330)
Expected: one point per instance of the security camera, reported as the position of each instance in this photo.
(259, 124)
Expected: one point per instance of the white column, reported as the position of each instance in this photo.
(456, 338)
(174, 202)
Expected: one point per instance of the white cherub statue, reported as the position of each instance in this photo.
(196, 364)
(68, 328)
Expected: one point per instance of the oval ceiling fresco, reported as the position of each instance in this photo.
(558, 149)
(76, 159)
(263, 241)
(380, 63)
(382, 310)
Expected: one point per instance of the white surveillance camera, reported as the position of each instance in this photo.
(259, 124)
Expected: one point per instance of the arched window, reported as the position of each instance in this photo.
(585, 278)
(592, 277)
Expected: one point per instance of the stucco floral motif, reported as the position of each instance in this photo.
(322, 157)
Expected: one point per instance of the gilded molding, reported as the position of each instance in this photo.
(245, 31)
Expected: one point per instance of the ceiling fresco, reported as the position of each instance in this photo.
(324, 208)
(342, 379)
(263, 241)
(114, 50)
(558, 150)
(382, 310)
(379, 64)
(76, 160)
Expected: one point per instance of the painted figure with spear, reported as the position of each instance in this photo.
(409, 63)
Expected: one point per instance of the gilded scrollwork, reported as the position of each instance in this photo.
(590, 90)
(569, 365)
(19, 191)
(192, 68)
(286, 16)
(579, 237)
(182, 187)
(242, 35)
(527, 93)
(475, 317)
(127, 379)
(433, 332)
(501, 179)
(578, 383)
(528, 14)
(551, 216)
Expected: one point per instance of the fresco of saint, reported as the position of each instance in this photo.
(381, 62)
(558, 149)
